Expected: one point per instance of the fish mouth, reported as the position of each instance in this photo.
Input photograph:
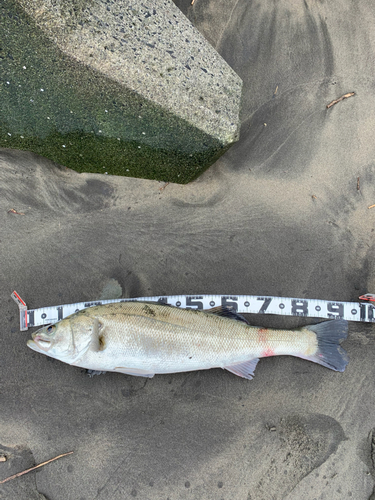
(34, 346)
(39, 344)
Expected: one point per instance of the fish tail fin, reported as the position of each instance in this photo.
(329, 352)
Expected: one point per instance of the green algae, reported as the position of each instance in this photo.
(77, 117)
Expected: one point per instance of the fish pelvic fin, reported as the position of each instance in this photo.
(244, 370)
(136, 372)
(92, 373)
(329, 352)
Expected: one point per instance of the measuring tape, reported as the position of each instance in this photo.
(252, 304)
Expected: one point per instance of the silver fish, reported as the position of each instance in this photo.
(143, 339)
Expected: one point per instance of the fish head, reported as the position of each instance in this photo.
(66, 340)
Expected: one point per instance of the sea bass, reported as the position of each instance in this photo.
(139, 338)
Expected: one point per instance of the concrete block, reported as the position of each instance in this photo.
(114, 86)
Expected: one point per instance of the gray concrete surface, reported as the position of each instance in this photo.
(280, 213)
(124, 87)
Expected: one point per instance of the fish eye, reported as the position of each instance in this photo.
(50, 328)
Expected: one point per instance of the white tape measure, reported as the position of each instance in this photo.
(252, 304)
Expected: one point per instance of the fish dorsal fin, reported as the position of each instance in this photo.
(244, 370)
(226, 312)
(153, 302)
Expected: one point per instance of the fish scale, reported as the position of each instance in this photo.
(189, 338)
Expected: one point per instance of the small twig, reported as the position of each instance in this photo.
(371, 206)
(33, 468)
(345, 96)
(192, 2)
(14, 211)
(358, 184)
(163, 187)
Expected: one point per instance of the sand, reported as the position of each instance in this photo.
(283, 212)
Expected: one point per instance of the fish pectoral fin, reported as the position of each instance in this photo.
(98, 342)
(133, 371)
(244, 370)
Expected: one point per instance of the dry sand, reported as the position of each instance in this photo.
(280, 214)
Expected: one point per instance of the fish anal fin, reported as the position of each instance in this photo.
(245, 369)
(226, 312)
(133, 371)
